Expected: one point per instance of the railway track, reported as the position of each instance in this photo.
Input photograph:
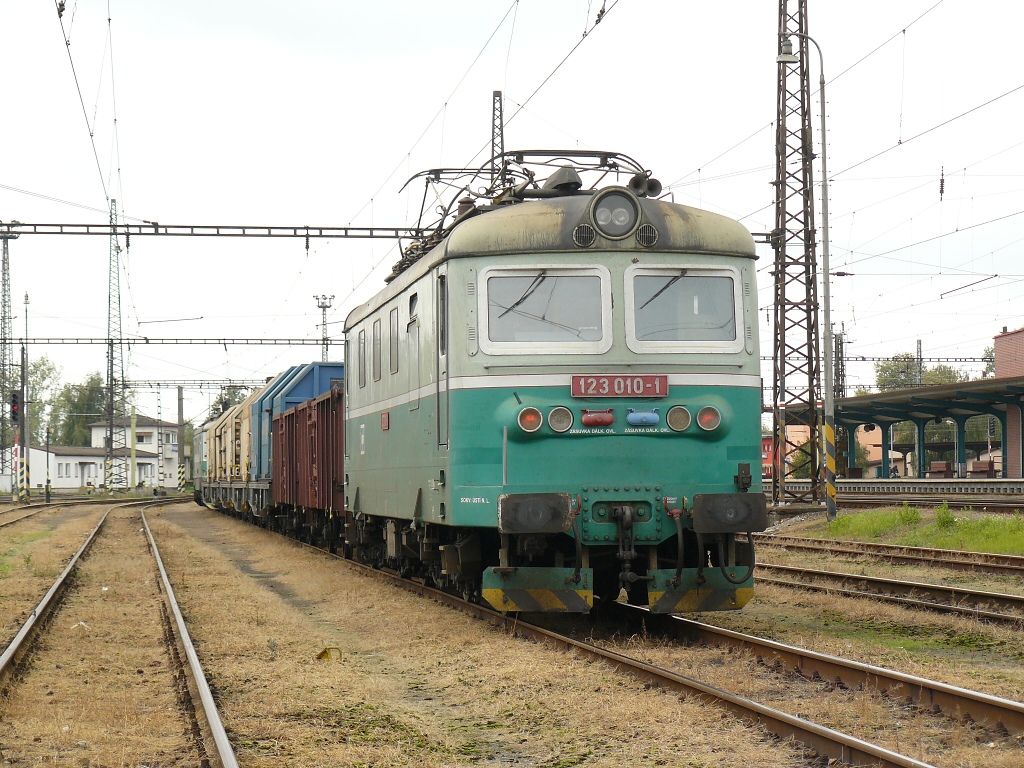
(957, 600)
(23, 511)
(15, 660)
(928, 695)
(990, 503)
(825, 742)
(984, 562)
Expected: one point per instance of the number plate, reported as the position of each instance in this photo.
(620, 385)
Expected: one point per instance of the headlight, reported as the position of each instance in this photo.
(560, 418)
(708, 418)
(678, 418)
(530, 419)
(615, 214)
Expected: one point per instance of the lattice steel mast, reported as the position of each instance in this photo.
(6, 357)
(116, 442)
(797, 376)
(497, 140)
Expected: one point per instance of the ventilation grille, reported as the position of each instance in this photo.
(584, 235)
(647, 235)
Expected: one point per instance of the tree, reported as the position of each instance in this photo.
(942, 374)
(42, 383)
(990, 362)
(76, 406)
(899, 372)
(229, 396)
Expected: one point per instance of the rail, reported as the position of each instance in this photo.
(926, 694)
(966, 602)
(987, 562)
(225, 753)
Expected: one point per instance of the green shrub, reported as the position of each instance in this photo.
(944, 518)
(909, 515)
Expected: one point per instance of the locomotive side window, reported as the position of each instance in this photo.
(681, 309)
(376, 350)
(442, 314)
(362, 358)
(552, 310)
(393, 351)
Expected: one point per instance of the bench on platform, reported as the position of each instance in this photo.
(940, 469)
(982, 469)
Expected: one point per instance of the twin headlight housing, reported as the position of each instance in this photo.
(615, 214)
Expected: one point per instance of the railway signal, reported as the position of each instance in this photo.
(15, 407)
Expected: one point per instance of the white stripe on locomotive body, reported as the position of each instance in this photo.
(524, 381)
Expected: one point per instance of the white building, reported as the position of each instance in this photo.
(77, 467)
(153, 439)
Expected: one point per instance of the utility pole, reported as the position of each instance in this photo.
(181, 439)
(116, 474)
(26, 434)
(47, 492)
(6, 357)
(324, 302)
(839, 392)
(796, 387)
(159, 444)
(918, 378)
(497, 140)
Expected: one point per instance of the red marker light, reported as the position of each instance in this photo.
(530, 419)
(708, 418)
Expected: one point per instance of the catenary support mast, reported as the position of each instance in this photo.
(7, 378)
(796, 383)
(116, 476)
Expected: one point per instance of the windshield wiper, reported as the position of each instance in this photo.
(664, 288)
(533, 286)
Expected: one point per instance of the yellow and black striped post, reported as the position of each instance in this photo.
(830, 467)
(22, 479)
(181, 478)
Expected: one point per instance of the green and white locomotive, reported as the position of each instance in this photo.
(559, 396)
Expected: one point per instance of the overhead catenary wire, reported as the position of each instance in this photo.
(925, 132)
(59, 6)
(859, 61)
(444, 104)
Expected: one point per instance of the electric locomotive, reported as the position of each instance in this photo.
(559, 395)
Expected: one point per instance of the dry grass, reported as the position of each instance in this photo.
(100, 688)
(417, 684)
(32, 553)
(954, 649)
(866, 714)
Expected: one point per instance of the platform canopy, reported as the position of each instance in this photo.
(960, 400)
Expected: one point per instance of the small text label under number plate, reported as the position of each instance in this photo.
(620, 385)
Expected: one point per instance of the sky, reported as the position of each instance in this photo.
(315, 113)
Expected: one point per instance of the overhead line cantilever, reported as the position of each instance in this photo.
(209, 230)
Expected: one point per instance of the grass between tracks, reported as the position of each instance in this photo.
(940, 527)
(32, 553)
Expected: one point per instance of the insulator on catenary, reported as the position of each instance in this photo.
(942, 182)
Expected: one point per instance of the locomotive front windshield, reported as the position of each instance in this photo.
(682, 307)
(544, 307)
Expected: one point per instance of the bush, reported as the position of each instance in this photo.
(944, 518)
(909, 515)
